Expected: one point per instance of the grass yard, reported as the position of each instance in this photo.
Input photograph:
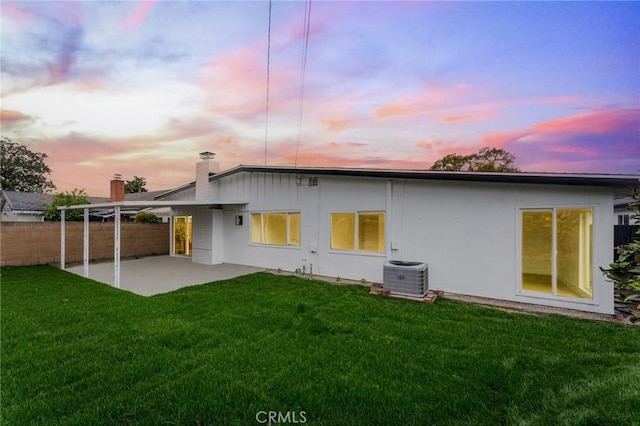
(77, 352)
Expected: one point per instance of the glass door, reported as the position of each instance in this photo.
(182, 232)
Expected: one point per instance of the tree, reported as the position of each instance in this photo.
(625, 272)
(77, 196)
(135, 185)
(485, 160)
(22, 169)
(146, 217)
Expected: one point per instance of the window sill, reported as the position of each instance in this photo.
(358, 253)
(545, 296)
(275, 246)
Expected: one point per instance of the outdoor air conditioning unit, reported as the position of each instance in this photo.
(406, 278)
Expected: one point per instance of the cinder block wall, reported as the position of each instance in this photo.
(38, 243)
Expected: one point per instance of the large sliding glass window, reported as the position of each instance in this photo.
(364, 228)
(277, 229)
(557, 252)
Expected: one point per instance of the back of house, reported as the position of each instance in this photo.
(532, 238)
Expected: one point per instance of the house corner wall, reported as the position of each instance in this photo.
(207, 236)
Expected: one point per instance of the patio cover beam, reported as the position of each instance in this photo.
(85, 245)
(156, 204)
(116, 249)
(62, 241)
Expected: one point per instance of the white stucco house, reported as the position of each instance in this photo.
(535, 238)
(525, 237)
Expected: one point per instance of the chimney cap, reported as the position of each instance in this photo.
(117, 176)
(207, 155)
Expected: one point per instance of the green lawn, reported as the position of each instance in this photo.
(78, 352)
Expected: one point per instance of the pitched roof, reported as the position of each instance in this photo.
(602, 180)
(142, 196)
(27, 201)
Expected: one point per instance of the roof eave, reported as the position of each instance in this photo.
(142, 204)
(614, 181)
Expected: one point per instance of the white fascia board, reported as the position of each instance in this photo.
(154, 204)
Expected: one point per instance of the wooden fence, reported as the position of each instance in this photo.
(38, 243)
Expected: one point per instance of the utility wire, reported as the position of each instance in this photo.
(303, 67)
(266, 125)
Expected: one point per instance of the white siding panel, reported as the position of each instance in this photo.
(468, 232)
(202, 236)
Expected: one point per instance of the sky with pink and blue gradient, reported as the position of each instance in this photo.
(141, 87)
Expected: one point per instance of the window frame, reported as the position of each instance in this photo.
(288, 243)
(520, 291)
(356, 228)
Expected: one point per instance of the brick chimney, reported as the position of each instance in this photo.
(117, 188)
(207, 166)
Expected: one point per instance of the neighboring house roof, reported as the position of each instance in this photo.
(622, 202)
(35, 203)
(603, 180)
(142, 196)
(26, 202)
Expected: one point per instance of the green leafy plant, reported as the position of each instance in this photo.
(625, 272)
(485, 160)
(22, 169)
(137, 184)
(146, 217)
(67, 198)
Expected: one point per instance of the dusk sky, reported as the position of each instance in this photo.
(141, 87)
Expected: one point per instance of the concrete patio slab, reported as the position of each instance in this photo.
(161, 274)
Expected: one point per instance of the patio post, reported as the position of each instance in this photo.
(116, 248)
(62, 238)
(85, 247)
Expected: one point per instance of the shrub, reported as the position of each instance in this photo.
(146, 217)
(625, 272)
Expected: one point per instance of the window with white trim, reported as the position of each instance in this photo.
(276, 229)
(358, 231)
(557, 251)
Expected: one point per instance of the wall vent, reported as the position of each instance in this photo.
(313, 181)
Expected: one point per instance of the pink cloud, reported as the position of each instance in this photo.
(502, 139)
(599, 140)
(17, 14)
(78, 161)
(427, 101)
(224, 141)
(477, 116)
(8, 116)
(135, 20)
(596, 121)
(237, 83)
(573, 150)
(292, 30)
(59, 69)
(336, 125)
(345, 145)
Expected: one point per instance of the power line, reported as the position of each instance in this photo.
(266, 125)
(303, 67)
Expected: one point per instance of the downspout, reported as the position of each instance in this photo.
(389, 221)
